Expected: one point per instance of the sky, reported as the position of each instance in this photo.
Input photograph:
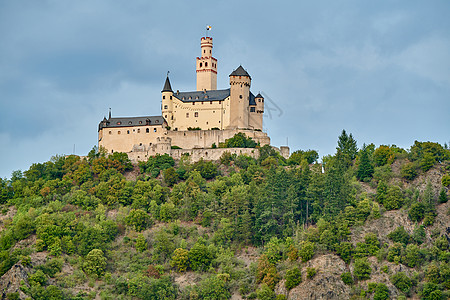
(378, 69)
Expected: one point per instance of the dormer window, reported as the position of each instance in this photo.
(130, 122)
(119, 123)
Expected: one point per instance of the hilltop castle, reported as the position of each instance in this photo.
(191, 122)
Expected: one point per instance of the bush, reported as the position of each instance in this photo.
(417, 212)
(311, 272)
(408, 171)
(347, 278)
(401, 281)
(443, 196)
(394, 198)
(95, 263)
(240, 140)
(362, 269)
(306, 251)
(293, 278)
(399, 235)
(381, 292)
(207, 169)
(138, 219)
(446, 180)
(180, 259)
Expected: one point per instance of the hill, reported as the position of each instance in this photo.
(369, 223)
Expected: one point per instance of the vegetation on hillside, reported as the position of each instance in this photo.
(242, 225)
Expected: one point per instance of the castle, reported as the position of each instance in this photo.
(192, 122)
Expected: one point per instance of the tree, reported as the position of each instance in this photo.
(95, 263)
(383, 155)
(138, 219)
(347, 146)
(408, 171)
(180, 259)
(365, 168)
(443, 196)
(417, 212)
(401, 281)
(362, 269)
(381, 292)
(170, 176)
(293, 278)
(141, 243)
(394, 198)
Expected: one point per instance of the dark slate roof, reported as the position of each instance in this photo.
(196, 96)
(131, 121)
(167, 87)
(252, 99)
(259, 96)
(240, 72)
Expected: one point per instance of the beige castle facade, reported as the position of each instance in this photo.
(192, 121)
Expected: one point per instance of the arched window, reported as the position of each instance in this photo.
(147, 130)
(201, 65)
(206, 64)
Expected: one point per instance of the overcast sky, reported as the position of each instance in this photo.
(378, 69)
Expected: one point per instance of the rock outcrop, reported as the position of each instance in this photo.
(10, 281)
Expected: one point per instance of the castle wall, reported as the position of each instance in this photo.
(204, 114)
(122, 139)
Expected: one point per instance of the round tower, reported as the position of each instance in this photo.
(206, 66)
(167, 103)
(240, 82)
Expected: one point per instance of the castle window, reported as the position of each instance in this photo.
(139, 131)
(166, 107)
(193, 103)
(259, 100)
(196, 97)
(157, 121)
(118, 132)
(165, 116)
(170, 97)
(128, 132)
(240, 96)
(196, 114)
(204, 51)
(118, 123)
(201, 65)
(202, 102)
(164, 97)
(147, 130)
(252, 109)
(154, 129)
(210, 102)
(140, 122)
(130, 122)
(110, 132)
(187, 115)
(206, 64)
(140, 144)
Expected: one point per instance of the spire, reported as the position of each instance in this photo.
(167, 87)
(109, 116)
(240, 72)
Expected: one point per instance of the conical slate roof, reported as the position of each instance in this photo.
(240, 72)
(167, 87)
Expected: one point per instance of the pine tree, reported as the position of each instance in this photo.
(365, 168)
(347, 146)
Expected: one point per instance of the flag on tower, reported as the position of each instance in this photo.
(208, 27)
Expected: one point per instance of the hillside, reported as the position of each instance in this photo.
(370, 223)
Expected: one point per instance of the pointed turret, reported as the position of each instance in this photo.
(167, 86)
(240, 72)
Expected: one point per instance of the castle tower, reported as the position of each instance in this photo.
(167, 103)
(206, 67)
(256, 113)
(240, 82)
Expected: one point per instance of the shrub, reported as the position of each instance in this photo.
(381, 292)
(138, 218)
(293, 278)
(443, 196)
(180, 259)
(401, 281)
(446, 180)
(207, 169)
(311, 272)
(362, 269)
(170, 176)
(399, 235)
(141, 243)
(408, 171)
(394, 198)
(347, 278)
(306, 251)
(95, 263)
(417, 212)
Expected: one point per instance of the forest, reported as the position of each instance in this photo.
(101, 227)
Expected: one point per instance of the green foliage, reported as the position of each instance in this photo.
(138, 219)
(239, 140)
(399, 235)
(419, 235)
(443, 196)
(180, 259)
(413, 256)
(212, 288)
(207, 169)
(310, 272)
(141, 243)
(446, 180)
(201, 256)
(417, 212)
(170, 176)
(347, 146)
(38, 278)
(306, 251)
(156, 163)
(365, 167)
(293, 278)
(347, 278)
(266, 272)
(431, 291)
(95, 263)
(409, 171)
(401, 281)
(383, 155)
(362, 269)
(297, 156)
(394, 198)
(381, 292)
